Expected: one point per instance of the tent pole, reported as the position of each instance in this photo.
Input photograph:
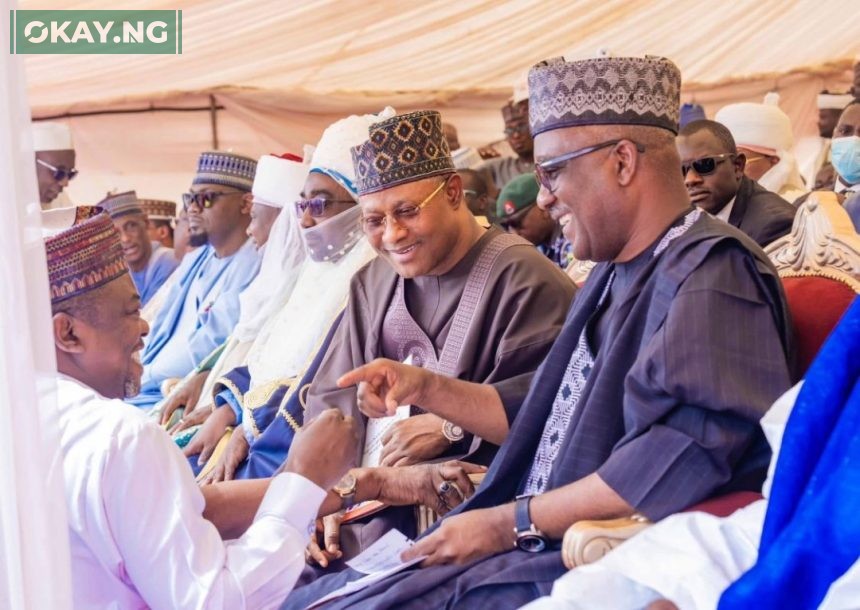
(213, 120)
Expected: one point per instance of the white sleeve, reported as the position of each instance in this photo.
(174, 557)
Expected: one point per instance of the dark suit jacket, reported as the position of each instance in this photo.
(760, 213)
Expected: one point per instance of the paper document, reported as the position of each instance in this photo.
(378, 561)
(376, 429)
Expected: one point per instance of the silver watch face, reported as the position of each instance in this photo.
(453, 432)
(531, 543)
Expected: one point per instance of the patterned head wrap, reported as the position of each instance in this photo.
(604, 91)
(84, 257)
(226, 169)
(121, 204)
(402, 149)
(158, 209)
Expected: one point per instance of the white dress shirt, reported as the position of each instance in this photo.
(138, 537)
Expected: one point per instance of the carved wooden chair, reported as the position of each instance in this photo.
(819, 264)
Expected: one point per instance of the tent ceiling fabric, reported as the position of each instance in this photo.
(443, 48)
(284, 70)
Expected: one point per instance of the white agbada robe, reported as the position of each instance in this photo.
(689, 558)
(137, 535)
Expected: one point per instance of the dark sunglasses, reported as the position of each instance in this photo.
(205, 199)
(60, 172)
(317, 205)
(705, 165)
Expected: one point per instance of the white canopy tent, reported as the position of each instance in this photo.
(280, 72)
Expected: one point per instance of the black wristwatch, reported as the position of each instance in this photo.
(529, 538)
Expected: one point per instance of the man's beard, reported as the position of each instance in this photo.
(198, 239)
(132, 383)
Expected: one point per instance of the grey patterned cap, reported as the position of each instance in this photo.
(604, 91)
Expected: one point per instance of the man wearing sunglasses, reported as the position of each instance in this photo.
(518, 213)
(713, 172)
(55, 162)
(203, 305)
(650, 398)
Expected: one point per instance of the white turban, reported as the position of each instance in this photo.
(332, 156)
(51, 136)
(764, 128)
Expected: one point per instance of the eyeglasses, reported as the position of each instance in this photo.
(517, 222)
(547, 171)
(205, 199)
(470, 193)
(60, 172)
(522, 130)
(705, 165)
(375, 223)
(317, 205)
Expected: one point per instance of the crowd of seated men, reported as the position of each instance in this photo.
(495, 357)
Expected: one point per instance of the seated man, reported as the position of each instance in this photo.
(713, 171)
(161, 219)
(477, 198)
(625, 414)
(149, 262)
(763, 135)
(517, 212)
(444, 293)
(797, 565)
(248, 389)
(121, 470)
(845, 154)
(55, 162)
(203, 306)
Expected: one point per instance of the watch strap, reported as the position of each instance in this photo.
(522, 519)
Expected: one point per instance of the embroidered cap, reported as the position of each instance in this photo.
(226, 169)
(84, 257)
(60, 219)
(402, 149)
(604, 91)
(121, 204)
(158, 209)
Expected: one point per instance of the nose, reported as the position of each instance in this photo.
(393, 231)
(545, 199)
(307, 221)
(692, 177)
(144, 328)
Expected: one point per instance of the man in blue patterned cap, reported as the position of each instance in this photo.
(203, 306)
(149, 262)
(626, 414)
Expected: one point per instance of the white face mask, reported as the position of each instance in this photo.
(334, 237)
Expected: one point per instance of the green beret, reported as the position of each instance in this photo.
(519, 193)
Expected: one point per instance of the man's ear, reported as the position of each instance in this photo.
(66, 329)
(247, 203)
(454, 190)
(740, 165)
(627, 161)
(162, 232)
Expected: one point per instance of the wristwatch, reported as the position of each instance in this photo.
(345, 488)
(529, 538)
(452, 432)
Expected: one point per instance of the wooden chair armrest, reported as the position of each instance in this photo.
(587, 541)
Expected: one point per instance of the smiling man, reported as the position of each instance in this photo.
(203, 305)
(149, 262)
(713, 171)
(625, 414)
(120, 470)
(455, 298)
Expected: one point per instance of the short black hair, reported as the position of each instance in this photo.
(478, 177)
(718, 130)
